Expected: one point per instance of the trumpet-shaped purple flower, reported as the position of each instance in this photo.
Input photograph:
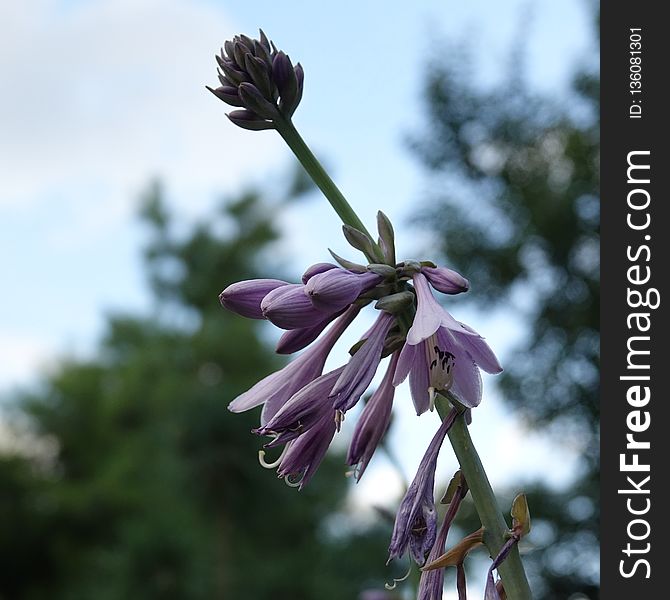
(304, 454)
(245, 297)
(442, 354)
(274, 390)
(336, 288)
(302, 411)
(362, 366)
(415, 524)
(373, 422)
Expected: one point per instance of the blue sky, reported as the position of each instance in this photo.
(101, 96)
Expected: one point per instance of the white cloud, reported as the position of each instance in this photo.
(104, 94)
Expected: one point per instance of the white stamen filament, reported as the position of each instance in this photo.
(271, 465)
(392, 586)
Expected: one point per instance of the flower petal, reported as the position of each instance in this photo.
(429, 314)
(480, 351)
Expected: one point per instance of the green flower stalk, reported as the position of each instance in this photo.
(303, 406)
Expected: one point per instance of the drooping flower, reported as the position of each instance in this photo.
(260, 79)
(274, 390)
(373, 422)
(304, 454)
(302, 411)
(362, 366)
(415, 524)
(432, 581)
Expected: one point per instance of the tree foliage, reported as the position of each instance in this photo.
(145, 486)
(514, 204)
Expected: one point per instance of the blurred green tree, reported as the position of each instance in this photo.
(141, 484)
(514, 203)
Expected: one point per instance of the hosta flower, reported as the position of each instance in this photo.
(441, 354)
(260, 79)
(245, 297)
(275, 390)
(336, 288)
(373, 422)
(415, 524)
(362, 366)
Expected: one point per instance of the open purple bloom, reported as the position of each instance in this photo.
(373, 422)
(415, 524)
(442, 354)
(274, 390)
(336, 288)
(446, 280)
(289, 307)
(245, 297)
(304, 454)
(362, 366)
(302, 411)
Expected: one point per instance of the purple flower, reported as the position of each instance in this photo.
(302, 411)
(432, 582)
(289, 307)
(336, 288)
(445, 280)
(255, 75)
(244, 297)
(304, 454)
(316, 269)
(362, 366)
(373, 422)
(296, 339)
(442, 354)
(274, 390)
(415, 524)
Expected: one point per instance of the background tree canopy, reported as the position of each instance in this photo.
(515, 207)
(145, 485)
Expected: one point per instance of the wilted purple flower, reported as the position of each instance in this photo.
(336, 288)
(491, 591)
(432, 582)
(442, 354)
(373, 422)
(362, 366)
(289, 307)
(415, 524)
(244, 297)
(446, 280)
(261, 80)
(274, 390)
(302, 411)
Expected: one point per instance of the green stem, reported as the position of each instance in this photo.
(313, 167)
(496, 530)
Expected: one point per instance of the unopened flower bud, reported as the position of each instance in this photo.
(255, 75)
(446, 280)
(244, 297)
(316, 269)
(291, 308)
(336, 288)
